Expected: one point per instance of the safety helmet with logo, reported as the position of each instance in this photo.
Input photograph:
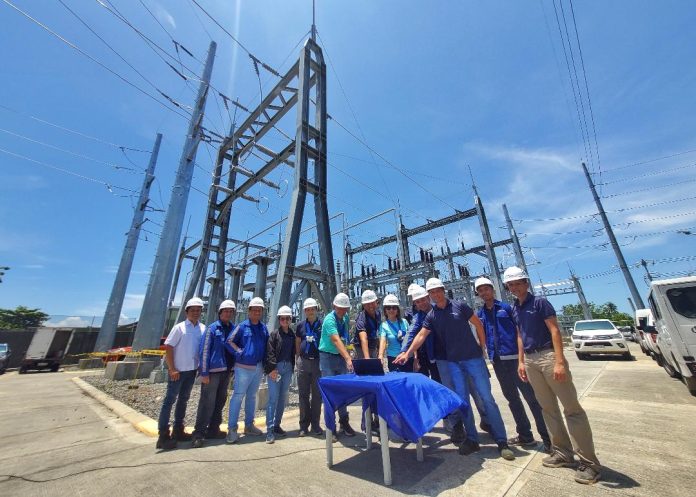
(368, 297)
(433, 283)
(342, 300)
(513, 273)
(257, 302)
(419, 293)
(414, 290)
(390, 300)
(310, 302)
(227, 304)
(194, 302)
(411, 288)
(481, 282)
(285, 311)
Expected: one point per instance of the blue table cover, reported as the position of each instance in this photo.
(411, 403)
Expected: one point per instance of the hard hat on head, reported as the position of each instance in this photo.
(411, 288)
(227, 304)
(419, 293)
(194, 302)
(390, 300)
(285, 311)
(481, 282)
(368, 297)
(342, 300)
(310, 302)
(513, 273)
(257, 302)
(433, 283)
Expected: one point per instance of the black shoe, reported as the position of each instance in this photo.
(277, 430)
(196, 441)
(458, 435)
(375, 427)
(523, 441)
(505, 452)
(180, 435)
(215, 434)
(302, 433)
(334, 436)
(347, 429)
(486, 427)
(468, 447)
(165, 442)
(548, 448)
(317, 431)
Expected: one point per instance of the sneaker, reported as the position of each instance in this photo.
(196, 441)
(232, 437)
(165, 442)
(375, 427)
(334, 437)
(486, 427)
(215, 434)
(468, 447)
(586, 473)
(270, 438)
(458, 435)
(557, 460)
(302, 433)
(318, 431)
(347, 429)
(524, 442)
(548, 448)
(279, 431)
(180, 435)
(505, 452)
(252, 430)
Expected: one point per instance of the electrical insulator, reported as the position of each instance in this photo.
(389, 260)
(362, 270)
(422, 254)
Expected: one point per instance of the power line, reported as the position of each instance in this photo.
(96, 61)
(650, 188)
(78, 133)
(647, 175)
(650, 161)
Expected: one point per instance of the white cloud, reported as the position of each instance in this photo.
(69, 322)
(164, 16)
(33, 266)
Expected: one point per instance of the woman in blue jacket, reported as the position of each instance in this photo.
(392, 333)
(248, 343)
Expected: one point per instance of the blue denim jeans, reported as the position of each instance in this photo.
(178, 391)
(476, 370)
(333, 365)
(278, 395)
(446, 377)
(246, 384)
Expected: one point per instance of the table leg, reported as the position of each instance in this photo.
(384, 441)
(419, 450)
(329, 448)
(368, 428)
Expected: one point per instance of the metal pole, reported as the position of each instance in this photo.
(488, 244)
(153, 314)
(644, 263)
(615, 245)
(586, 311)
(517, 248)
(633, 306)
(107, 333)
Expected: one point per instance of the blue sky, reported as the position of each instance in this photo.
(433, 87)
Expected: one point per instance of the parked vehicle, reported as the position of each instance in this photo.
(627, 332)
(46, 350)
(673, 304)
(5, 352)
(598, 336)
(645, 324)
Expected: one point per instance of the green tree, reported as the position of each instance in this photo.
(21, 318)
(608, 310)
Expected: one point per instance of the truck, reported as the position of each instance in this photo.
(673, 306)
(46, 350)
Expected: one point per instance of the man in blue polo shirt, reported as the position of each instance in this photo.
(449, 321)
(501, 343)
(542, 363)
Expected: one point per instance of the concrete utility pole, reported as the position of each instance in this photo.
(107, 332)
(615, 245)
(154, 313)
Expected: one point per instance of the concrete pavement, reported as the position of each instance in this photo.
(58, 441)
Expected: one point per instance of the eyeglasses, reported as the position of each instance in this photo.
(285, 318)
(391, 308)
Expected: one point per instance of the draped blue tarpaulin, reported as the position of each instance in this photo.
(411, 403)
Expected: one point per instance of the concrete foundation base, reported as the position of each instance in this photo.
(262, 397)
(90, 363)
(119, 370)
(158, 376)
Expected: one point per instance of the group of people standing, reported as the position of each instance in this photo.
(442, 338)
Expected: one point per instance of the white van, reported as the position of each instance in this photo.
(673, 304)
(645, 325)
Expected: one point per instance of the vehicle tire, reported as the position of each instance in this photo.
(55, 367)
(690, 383)
(659, 360)
(673, 373)
(627, 356)
(22, 370)
(582, 356)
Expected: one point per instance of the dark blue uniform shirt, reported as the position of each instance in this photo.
(530, 317)
(452, 331)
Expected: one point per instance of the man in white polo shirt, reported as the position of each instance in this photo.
(181, 354)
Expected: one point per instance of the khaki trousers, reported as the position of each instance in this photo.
(548, 392)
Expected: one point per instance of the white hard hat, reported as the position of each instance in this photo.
(285, 311)
(227, 304)
(390, 300)
(194, 302)
(310, 302)
(257, 302)
(342, 300)
(411, 288)
(433, 283)
(419, 293)
(481, 281)
(414, 290)
(513, 273)
(368, 297)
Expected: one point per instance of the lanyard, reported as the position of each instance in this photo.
(310, 332)
(398, 332)
(341, 325)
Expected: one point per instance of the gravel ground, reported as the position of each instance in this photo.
(147, 397)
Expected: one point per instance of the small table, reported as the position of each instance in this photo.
(408, 403)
